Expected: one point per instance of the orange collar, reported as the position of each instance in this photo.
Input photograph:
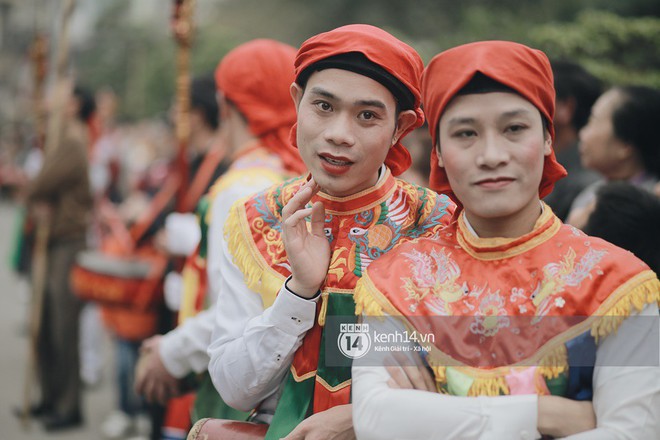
(361, 201)
(498, 248)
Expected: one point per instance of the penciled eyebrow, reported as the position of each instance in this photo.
(361, 102)
(370, 103)
(322, 92)
(460, 120)
(516, 112)
(508, 114)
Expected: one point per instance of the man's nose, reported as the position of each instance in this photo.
(339, 130)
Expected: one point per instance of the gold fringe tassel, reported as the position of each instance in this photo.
(555, 363)
(494, 386)
(364, 300)
(256, 276)
(646, 293)
(440, 374)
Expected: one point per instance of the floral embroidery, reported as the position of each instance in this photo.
(434, 281)
(557, 276)
(516, 294)
(491, 316)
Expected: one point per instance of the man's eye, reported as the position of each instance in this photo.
(465, 133)
(324, 106)
(516, 128)
(367, 115)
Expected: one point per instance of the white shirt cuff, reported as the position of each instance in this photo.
(291, 313)
(170, 354)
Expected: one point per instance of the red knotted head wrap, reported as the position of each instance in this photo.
(256, 77)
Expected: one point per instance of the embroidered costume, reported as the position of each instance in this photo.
(360, 229)
(513, 289)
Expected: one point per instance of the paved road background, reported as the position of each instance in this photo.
(14, 304)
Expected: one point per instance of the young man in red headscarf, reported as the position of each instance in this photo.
(257, 115)
(357, 95)
(508, 301)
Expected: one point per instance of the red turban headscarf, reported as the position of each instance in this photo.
(392, 55)
(525, 70)
(256, 77)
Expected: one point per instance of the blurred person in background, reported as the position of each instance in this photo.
(60, 194)
(257, 115)
(629, 217)
(620, 143)
(577, 90)
(128, 328)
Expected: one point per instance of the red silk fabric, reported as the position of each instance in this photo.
(256, 77)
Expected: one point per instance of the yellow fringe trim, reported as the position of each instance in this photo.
(648, 292)
(440, 374)
(190, 291)
(488, 387)
(555, 363)
(365, 303)
(257, 275)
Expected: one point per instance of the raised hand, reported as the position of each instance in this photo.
(307, 248)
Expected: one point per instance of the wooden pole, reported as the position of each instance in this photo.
(182, 26)
(40, 255)
(38, 54)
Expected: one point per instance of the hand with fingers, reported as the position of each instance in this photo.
(151, 377)
(335, 423)
(308, 249)
(409, 372)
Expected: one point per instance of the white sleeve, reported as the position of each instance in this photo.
(252, 348)
(382, 413)
(627, 398)
(184, 349)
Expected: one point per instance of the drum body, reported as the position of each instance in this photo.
(133, 281)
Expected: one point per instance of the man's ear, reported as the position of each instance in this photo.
(404, 121)
(296, 93)
(547, 143)
(441, 164)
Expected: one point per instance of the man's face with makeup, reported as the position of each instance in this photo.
(492, 147)
(346, 125)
